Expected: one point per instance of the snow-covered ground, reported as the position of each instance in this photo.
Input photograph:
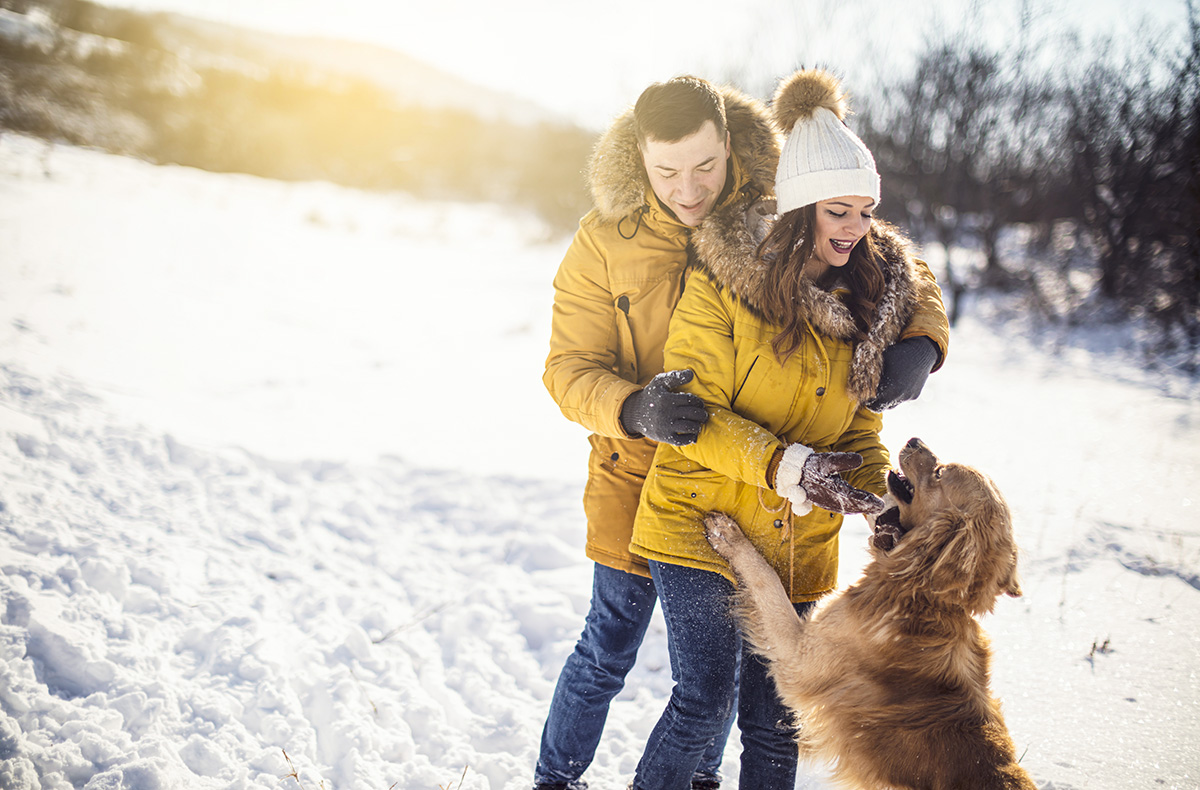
(281, 493)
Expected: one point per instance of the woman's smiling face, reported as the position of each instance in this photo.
(841, 223)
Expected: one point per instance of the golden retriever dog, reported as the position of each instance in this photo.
(889, 679)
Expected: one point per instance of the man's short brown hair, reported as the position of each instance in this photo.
(672, 110)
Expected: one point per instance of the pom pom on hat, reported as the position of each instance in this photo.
(822, 158)
(801, 94)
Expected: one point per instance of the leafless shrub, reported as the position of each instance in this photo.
(1049, 132)
(1133, 132)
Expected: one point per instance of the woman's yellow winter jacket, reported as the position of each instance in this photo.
(758, 404)
(615, 291)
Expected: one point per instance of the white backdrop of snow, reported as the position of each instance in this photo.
(278, 476)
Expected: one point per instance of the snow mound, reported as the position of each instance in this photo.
(173, 617)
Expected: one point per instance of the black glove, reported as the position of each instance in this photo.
(826, 490)
(662, 415)
(906, 365)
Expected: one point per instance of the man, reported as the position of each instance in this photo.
(685, 149)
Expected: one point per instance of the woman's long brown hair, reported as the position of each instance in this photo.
(787, 250)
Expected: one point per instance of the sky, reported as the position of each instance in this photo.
(588, 61)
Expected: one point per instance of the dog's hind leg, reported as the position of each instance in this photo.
(763, 609)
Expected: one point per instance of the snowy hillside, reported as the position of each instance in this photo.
(409, 79)
(283, 502)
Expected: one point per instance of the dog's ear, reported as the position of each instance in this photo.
(1010, 584)
(986, 536)
(955, 565)
(934, 557)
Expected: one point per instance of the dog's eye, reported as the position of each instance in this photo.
(937, 473)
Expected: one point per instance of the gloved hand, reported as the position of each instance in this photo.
(760, 217)
(806, 478)
(662, 415)
(906, 366)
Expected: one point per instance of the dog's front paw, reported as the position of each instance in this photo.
(884, 540)
(723, 533)
(887, 530)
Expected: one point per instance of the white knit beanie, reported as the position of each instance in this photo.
(822, 158)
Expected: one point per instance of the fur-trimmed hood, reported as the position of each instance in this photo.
(617, 179)
(725, 245)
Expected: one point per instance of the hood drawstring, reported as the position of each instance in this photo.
(749, 191)
(641, 212)
(790, 529)
(788, 536)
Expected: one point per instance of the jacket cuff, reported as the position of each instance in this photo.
(619, 392)
(791, 467)
(773, 466)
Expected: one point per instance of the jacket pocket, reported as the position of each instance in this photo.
(738, 392)
(623, 457)
(692, 488)
(626, 362)
(767, 393)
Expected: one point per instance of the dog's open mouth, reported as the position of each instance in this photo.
(899, 486)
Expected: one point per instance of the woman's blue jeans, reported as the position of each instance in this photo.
(595, 673)
(706, 653)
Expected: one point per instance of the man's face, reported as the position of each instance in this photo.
(689, 174)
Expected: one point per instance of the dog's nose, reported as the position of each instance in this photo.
(913, 443)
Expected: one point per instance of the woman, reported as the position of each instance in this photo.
(784, 324)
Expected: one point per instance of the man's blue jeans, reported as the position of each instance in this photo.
(706, 654)
(595, 673)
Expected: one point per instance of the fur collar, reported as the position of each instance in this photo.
(618, 181)
(725, 245)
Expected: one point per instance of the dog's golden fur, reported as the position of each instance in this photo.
(890, 679)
